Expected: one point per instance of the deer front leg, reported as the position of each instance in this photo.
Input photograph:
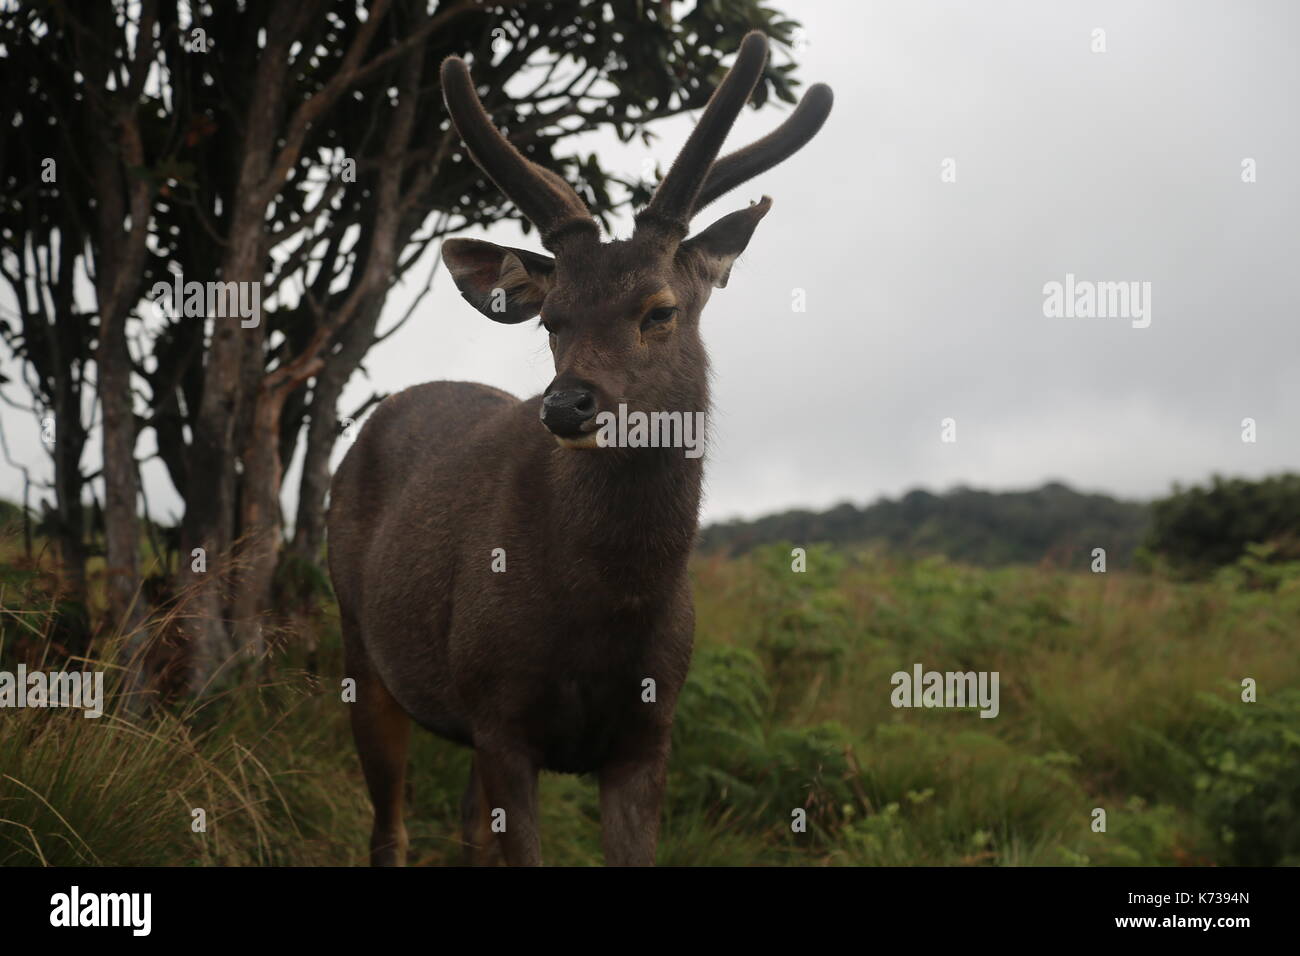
(480, 846)
(509, 782)
(631, 791)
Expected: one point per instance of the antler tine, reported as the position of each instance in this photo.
(776, 147)
(544, 197)
(672, 203)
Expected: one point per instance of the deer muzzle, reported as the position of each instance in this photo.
(567, 412)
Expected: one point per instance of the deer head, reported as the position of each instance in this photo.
(622, 316)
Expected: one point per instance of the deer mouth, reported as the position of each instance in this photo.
(584, 440)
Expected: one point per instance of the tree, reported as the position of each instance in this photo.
(1199, 529)
(301, 150)
(43, 235)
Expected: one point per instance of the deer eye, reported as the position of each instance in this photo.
(659, 316)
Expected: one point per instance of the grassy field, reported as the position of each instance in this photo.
(1119, 691)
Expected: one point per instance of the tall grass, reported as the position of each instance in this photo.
(1119, 692)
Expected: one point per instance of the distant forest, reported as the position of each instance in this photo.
(1194, 529)
(1053, 522)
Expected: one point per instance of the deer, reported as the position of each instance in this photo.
(506, 579)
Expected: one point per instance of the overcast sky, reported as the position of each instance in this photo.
(925, 298)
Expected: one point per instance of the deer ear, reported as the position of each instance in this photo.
(507, 285)
(716, 248)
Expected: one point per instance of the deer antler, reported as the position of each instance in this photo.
(674, 201)
(774, 148)
(541, 195)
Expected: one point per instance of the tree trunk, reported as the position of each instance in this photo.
(207, 530)
(67, 349)
(69, 443)
(119, 261)
(124, 200)
(121, 478)
(260, 516)
(313, 486)
(234, 367)
(323, 430)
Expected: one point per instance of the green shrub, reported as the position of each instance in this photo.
(1249, 787)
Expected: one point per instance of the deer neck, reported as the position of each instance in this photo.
(622, 513)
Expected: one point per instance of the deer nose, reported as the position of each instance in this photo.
(565, 412)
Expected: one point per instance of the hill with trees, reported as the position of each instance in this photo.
(1054, 523)
(1192, 531)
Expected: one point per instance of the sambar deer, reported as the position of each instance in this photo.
(541, 662)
